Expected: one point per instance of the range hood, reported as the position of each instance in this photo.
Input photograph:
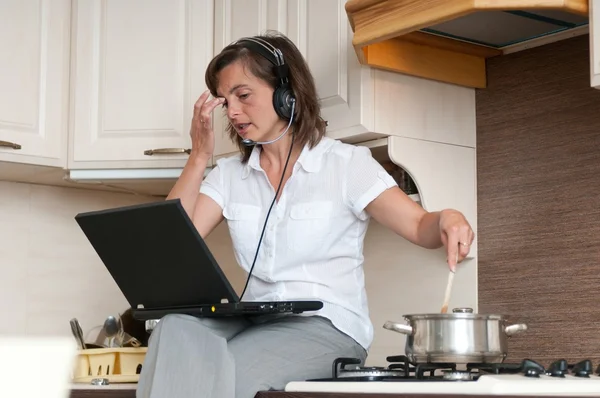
(449, 40)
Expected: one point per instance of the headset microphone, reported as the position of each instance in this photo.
(249, 142)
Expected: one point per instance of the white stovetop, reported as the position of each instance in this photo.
(487, 385)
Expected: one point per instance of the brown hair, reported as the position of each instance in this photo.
(308, 125)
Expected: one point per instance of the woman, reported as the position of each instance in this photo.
(316, 195)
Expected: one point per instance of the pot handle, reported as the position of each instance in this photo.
(398, 327)
(515, 329)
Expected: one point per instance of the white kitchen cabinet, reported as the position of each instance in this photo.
(234, 20)
(125, 99)
(138, 68)
(594, 21)
(345, 88)
(321, 31)
(412, 107)
(34, 89)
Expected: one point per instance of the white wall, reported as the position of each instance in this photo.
(49, 273)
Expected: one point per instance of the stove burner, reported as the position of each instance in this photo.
(458, 375)
(343, 369)
(372, 372)
(398, 369)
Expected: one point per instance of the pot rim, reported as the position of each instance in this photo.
(435, 316)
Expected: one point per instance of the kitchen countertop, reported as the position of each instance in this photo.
(129, 392)
(368, 395)
(116, 390)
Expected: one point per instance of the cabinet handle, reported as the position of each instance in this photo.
(6, 144)
(166, 151)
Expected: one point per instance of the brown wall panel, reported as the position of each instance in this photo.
(538, 154)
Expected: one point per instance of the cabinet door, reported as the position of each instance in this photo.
(594, 20)
(138, 70)
(423, 109)
(34, 87)
(322, 32)
(234, 20)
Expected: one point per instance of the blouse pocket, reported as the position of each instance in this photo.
(309, 224)
(243, 220)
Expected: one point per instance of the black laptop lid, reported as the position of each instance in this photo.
(156, 256)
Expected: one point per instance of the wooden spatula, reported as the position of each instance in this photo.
(448, 291)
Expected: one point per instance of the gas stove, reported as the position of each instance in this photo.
(525, 378)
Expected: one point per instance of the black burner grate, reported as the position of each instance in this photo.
(399, 368)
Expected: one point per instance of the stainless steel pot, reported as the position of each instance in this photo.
(459, 337)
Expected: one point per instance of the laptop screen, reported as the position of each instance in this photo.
(156, 256)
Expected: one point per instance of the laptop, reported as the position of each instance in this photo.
(162, 265)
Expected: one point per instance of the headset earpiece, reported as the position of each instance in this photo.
(282, 102)
(283, 96)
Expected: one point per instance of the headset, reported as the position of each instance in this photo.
(284, 103)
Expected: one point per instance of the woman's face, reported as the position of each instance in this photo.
(249, 103)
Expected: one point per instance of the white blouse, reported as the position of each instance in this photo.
(312, 248)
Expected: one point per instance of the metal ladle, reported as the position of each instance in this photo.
(111, 329)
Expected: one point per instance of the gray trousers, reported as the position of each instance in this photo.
(235, 358)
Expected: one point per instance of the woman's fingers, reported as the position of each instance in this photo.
(465, 240)
(203, 109)
(199, 103)
(201, 132)
(453, 256)
(207, 109)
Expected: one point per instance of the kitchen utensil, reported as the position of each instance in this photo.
(129, 341)
(111, 329)
(459, 337)
(151, 324)
(121, 339)
(448, 291)
(77, 333)
(93, 345)
(125, 339)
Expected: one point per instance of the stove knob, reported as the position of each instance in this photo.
(558, 368)
(530, 363)
(531, 371)
(583, 368)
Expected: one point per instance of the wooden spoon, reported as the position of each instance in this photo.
(448, 291)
